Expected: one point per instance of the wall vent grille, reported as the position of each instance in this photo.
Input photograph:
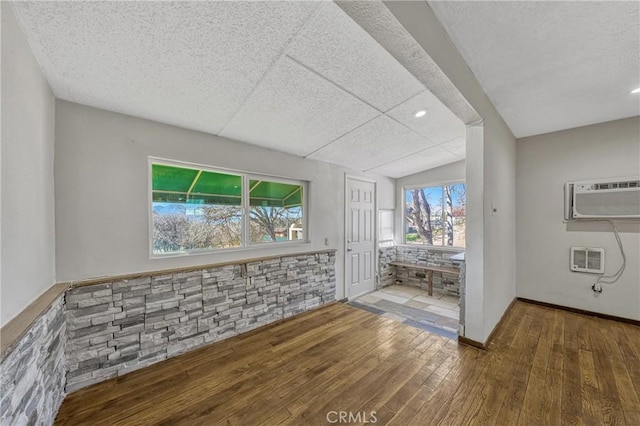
(587, 259)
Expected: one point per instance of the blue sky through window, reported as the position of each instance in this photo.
(433, 194)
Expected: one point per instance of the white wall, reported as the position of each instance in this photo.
(27, 206)
(101, 187)
(545, 163)
(499, 225)
(491, 259)
(443, 174)
(474, 247)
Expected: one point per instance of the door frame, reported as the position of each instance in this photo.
(348, 177)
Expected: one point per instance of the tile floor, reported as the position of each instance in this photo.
(438, 314)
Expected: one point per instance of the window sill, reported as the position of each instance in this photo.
(435, 248)
(221, 251)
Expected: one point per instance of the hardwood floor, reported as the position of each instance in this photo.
(545, 366)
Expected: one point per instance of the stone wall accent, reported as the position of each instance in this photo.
(386, 272)
(33, 372)
(463, 290)
(121, 326)
(419, 255)
(449, 283)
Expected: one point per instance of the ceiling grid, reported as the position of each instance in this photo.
(317, 79)
(298, 77)
(282, 53)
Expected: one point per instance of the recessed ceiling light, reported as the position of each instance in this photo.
(420, 113)
(633, 91)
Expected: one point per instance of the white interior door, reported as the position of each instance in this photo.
(360, 244)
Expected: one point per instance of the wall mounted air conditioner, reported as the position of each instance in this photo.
(602, 199)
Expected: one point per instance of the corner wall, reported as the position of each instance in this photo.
(545, 163)
(490, 177)
(27, 260)
(102, 198)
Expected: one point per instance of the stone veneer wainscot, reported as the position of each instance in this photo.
(106, 328)
(33, 371)
(123, 325)
(386, 272)
(422, 255)
(419, 255)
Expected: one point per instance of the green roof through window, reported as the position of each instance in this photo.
(172, 184)
(274, 194)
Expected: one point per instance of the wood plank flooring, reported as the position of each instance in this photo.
(545, 366)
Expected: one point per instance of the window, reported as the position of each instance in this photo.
(196, 209)
(275, 211)
(435, 215)
(385, 232)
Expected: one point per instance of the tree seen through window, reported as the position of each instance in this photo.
(195, 209)
(436, 215)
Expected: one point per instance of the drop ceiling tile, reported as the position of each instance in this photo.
(457, 147)
(439, 124)
(333, 45)
(421, 161)
(296, 111)
(375, 143)
(190, 64)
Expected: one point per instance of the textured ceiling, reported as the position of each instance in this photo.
(438, 124)
(337, 48)
(373, 144)
(297, 111)
(191, 64)
(299, 77)
(376, 18)
(419, 161)
(549, 66)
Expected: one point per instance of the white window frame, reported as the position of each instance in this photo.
(404, 213)
(245, 243)
(246, 208)
(384, 216)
